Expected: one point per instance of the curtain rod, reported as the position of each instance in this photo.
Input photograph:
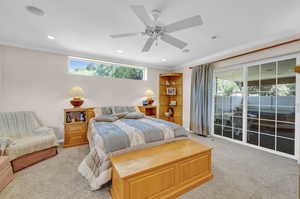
(255, 51)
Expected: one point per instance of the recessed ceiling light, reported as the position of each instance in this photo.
(35, 10)
(186, 50)
(214, 37)
(120, 51)
(163, 59)
(51, 37)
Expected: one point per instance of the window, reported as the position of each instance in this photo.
(269, 93)
(79, 66)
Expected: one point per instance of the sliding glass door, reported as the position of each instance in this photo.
(229, 104)
(269, 90)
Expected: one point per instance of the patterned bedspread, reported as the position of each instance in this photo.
(124, 135)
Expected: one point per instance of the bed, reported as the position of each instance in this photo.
(121, 136)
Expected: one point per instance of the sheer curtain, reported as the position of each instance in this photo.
(201, 99)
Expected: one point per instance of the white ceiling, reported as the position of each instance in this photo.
(82, 27)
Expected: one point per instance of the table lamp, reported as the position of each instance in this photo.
(76, 93)
(149, 93)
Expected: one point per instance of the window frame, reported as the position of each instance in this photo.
(70, 58)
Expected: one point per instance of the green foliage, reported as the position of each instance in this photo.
(284, 90)
(91, 67)
(115, 71)
(128, 73)
(104, 70)
(228, 88)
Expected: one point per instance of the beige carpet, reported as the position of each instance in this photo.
(239, 172)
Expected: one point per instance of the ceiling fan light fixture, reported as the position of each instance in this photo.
(120, 51)
(163, 60)
(156, 14)
(35, 11)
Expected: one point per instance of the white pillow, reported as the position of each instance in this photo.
(135, 115)
(106, 118)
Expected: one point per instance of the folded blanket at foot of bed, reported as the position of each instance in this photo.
(122, 136)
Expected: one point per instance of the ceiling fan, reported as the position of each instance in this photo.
(156, 31)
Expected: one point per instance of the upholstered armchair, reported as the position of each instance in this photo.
(24, 140)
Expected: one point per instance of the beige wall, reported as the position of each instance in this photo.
(187, 74)
(39, 81)
(274, 52)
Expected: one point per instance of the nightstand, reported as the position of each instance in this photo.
(76, 126)
(149, 110)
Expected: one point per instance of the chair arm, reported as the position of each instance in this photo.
(4, 143)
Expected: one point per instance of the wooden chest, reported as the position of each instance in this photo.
(161, 172)
(6, 173)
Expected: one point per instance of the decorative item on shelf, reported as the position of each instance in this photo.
(167, 83)
(173, 103)
(171, 91)
(170, 112)
(68, 118)
(74, 116)
(173, 83)
(82, 117)
(145, 102)
(149, 93)
(76, 93)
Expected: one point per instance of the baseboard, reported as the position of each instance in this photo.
(61, 141)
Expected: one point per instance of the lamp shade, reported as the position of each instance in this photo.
(149, 93)
(76, 92)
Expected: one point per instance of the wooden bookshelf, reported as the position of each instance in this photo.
(170, 82)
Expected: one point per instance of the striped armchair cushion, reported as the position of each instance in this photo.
(18, 124)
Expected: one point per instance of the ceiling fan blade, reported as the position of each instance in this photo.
(184, 24)
(124, 35)
(173, 41)
(148, 44)
(142, 14)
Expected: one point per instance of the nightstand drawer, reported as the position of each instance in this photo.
(71, 134)
(76, 127)
(75, 139)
